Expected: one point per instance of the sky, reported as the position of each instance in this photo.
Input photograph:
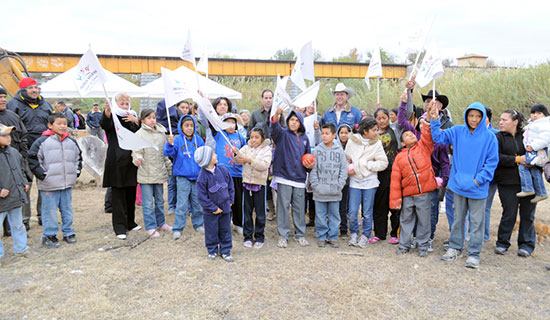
(511, 33)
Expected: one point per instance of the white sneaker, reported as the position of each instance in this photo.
(431, 245)
(176, 235)
(451, 254)
(247, 244)
(136, 228)
(121, 236)
(283, 243)
(238, 229)
(363, 242)
(302, 241)
(200, 229)
(353, 240)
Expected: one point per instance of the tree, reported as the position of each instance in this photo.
(285, 54)
(447, 62)
(411, 57)
(385, 56)
(353, 56)
(317, 55)
(490, 63)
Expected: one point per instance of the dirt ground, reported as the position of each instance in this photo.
(166, 279)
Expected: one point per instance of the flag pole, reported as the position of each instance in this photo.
(433, 90)
(168, 113)
(378, 89)
(414, 66)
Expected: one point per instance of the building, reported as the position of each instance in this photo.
(472, 60)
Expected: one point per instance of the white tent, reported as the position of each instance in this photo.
(63, 86)
(210, 88)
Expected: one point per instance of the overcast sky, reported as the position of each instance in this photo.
(509, 32)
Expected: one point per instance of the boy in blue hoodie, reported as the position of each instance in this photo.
(291, 144)
(475, 159)
(182, 149)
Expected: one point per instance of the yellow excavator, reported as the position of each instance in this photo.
(10, 73)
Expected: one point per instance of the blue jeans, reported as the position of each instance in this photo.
(488, 205)
(324, 211)
(51, 201)
(477, 224)
(18, 232)
(187, 194)
(434, 201)
(152, 198)
(366, 198)
(172, 193)
(449, 208)
(531, 180)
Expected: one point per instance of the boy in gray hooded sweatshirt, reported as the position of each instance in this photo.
(328, 178)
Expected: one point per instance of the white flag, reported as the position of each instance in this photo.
(188, 54)
(297, 76)
(202, 66)
(307, 97)
(176, 88)
(280, 97)
(208, 111)
(306, 57)
(375, 66)
(415, 41)
(127, 140)
(89, 73)
(431, 67)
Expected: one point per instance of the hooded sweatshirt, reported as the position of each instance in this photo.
(475, 155)
(183, 152)
(19, 135)
(329, 174)
(162, 117)
(289, 149)
(33, 112)
(226, 158)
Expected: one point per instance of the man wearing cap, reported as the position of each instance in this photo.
(92, 119)
(342, 112)
(442, 102)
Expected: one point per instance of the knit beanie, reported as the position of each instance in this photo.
(203, 156)
(540, 108)
(3, 91)
(25, 82)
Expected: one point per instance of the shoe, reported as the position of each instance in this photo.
(394, 240)
(136, 228)
(70, 239)
(200, 229)
(363, 241)
(176, 235)
(422, 253)
(321, 243)
(538, 198)
(451, 254)
(525, 194)
(39, 220)
(333, 243)
(50, 242)
(282, 243)
(353, 240)
(165, 227)
(310, 224)
(212, 256)
(238, 229)
(523, 253)
(500, 250)
(121, 236)
(431, 245)
(27, 225)
(374, 240)
(343, 233)
(446, 245)
(227, 257)
(171, 212)
(153, 233)
(472, 263)
(302, 241)
(401, 250)
(413, 243)
(258, 245)
(247, 244)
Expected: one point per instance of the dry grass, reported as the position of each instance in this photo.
(165, 279)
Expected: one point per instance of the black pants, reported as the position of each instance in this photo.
(510, 204)
(108, 200)
(253, 229)
(344, 209)
(382, 207)
(237, 207)
(310, 207)
(124, 204)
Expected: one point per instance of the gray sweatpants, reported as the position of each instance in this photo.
(287, 195)
(416, 210)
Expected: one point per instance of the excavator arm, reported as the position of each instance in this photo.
(10, 74)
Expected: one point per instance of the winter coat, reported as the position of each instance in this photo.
(537, 134)
(412, 173)
(81, 121)
(13, 178)
(257, 171)
(55, 161)
(215, 190)
(155, 168)
(162, 118)
(289, 149)
(183, 152)
(69, 115)
(350, 115)
(329, 174)
(260, 119)
(475, 155)
(19, 135)
(93, 119)
(33, 113)
(509, 147)
(120, 172)
(367, 158)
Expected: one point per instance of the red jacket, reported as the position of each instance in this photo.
(412, 172)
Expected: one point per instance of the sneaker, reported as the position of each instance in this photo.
(353, 240)
(363, 242)
(394, 240)
(451, 254)
(238, 229)
(413, 243)
(538, 198)
(176, 235)
(525, 194)
(282, 243)
(401, 250)
(472, 263)
(422, 253)
(523, 253)
(70, 239)
(321, 243)
(247, 244)
(302, 241)
(227, 257)
(500, 250)
(153, 233)
(431, 245)
(333, 243)
(258, 245)
(212, 256)
(200, 229)
(50, 242)
(136, 228)
(171, 212)
(374, 240)
(446, 245)
(165, 227)
(343, 233)
(121, 236)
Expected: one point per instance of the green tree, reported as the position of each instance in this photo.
(352, 56)
(285, 54)
(385, 56)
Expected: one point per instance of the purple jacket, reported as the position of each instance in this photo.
(440, 155)
(215, 190)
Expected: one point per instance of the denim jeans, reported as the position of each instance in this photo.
(152, 196)
(531, 180)
(477, 224)
(434, 215)
(172, 193)
(327, 211)
(187, 194)
(450, 208)
(98, 132)
(364, 197)
(488, 206)
(18, 232)
(51, 201)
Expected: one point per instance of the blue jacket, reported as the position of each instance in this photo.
(162, 118)
(350, 116)
(92, 119)
(289, 149)
(225, 154)
(183, 153)
(215, 190)
(475, 155)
